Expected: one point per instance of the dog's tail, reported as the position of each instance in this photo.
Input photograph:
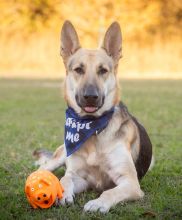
(50, 161)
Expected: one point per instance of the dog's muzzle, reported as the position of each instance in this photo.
(90, 99)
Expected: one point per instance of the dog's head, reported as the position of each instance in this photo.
(91, 84)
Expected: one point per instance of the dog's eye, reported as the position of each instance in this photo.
(79, 70)
(102, 71)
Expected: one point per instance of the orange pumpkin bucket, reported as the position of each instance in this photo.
(42, 188)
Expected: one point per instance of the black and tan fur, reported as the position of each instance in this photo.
(114, 160)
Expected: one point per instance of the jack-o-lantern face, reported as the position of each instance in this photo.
(39, 191)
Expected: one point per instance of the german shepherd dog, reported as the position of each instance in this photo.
(115, 159)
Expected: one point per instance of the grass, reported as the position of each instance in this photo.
(32, 116)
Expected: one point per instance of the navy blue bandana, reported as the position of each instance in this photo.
(79, 129)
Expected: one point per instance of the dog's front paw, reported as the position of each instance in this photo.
(68, 198)
(97, 205)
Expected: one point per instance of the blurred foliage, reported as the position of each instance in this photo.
(139, 19)
(30, 29)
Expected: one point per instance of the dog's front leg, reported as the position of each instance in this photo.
(68, 186)
(122, 171)
(72, 184)
(126, 190)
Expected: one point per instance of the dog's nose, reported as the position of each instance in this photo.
(94, 97)
(91, 93)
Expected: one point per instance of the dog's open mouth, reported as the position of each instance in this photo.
(90, 106)
(90, 109)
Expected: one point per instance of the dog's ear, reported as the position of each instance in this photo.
(69, 40)
(112, 43)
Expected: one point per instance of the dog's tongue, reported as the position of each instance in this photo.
(90, 109)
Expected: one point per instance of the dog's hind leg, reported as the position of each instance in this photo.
(48, 161)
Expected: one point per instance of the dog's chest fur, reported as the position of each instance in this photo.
(95, 158)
